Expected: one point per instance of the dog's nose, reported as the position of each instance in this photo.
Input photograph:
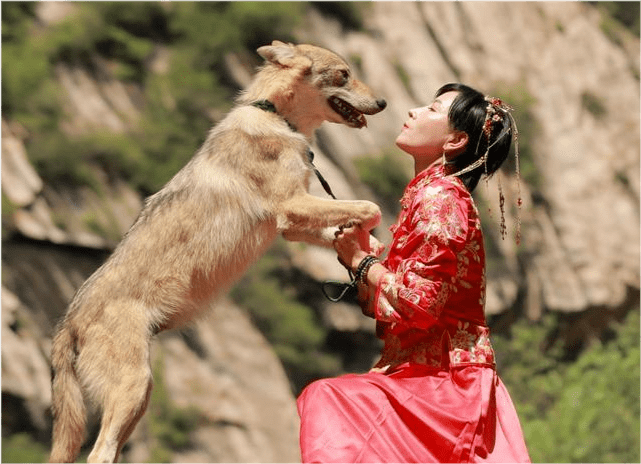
(381, 104)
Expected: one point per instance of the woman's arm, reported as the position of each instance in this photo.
(434, 233)
(381, 294)
(353, 245)
(367, 291)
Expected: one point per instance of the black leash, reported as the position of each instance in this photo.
(333, 290)
(321, 179)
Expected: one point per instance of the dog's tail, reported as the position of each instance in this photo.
(68, 406)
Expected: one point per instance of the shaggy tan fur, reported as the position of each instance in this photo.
(198, 234)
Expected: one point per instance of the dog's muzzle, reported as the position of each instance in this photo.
(351, 115)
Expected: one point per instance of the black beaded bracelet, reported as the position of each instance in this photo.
(363, 268)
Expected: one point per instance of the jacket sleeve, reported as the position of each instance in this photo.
(428, 244)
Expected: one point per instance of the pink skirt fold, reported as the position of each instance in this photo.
(416, 414)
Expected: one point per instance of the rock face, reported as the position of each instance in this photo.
(580, 219)
(580, 226)
(225, 369)
(221, 367)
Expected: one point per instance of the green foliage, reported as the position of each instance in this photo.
(60, 160)
(586, 411)
(29, 92)
(126, 35)
(356, 60)
(21, 447)
(215, 28)
(386, 176)
(527, 366)
(617, 15)
(16, 19)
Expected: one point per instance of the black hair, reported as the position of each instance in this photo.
(467, 113)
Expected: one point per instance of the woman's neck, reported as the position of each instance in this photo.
(422, 166)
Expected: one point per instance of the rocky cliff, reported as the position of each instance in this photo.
(578, 92)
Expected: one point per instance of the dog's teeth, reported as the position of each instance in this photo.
(349, 114)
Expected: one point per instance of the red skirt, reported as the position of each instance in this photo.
(415, 414)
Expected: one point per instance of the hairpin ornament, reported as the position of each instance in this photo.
(495, 111)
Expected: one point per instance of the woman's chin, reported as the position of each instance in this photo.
(402, 143)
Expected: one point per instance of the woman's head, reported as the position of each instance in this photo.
(427, 134)
(459, 125)
(488, 126)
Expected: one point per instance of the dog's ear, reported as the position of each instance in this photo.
(286, 55)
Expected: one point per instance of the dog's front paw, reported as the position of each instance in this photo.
(369, 215)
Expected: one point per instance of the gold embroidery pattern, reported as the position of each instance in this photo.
(437, 279)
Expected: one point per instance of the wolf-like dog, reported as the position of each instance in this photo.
(246, 184)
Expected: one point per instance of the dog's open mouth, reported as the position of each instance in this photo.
(351, 115)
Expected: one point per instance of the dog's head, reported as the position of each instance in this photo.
(338, 96)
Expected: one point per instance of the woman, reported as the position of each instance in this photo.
(434, 396)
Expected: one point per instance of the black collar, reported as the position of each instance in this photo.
(268, 106)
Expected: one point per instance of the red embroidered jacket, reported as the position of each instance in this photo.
(432, 300)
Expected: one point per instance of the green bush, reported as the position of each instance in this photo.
(177, 105)
(16, 20)
(616, 16)
(585, 411)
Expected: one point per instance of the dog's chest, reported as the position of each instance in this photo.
(263, 151)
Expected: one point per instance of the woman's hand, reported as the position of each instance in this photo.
(364, 302)
(352, 244)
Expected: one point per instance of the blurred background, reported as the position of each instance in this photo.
(103, 102)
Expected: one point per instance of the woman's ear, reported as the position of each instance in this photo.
(456, 142)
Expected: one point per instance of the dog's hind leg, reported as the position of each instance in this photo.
(114, 364)
(122, 409)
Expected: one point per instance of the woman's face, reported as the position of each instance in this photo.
(427, 130)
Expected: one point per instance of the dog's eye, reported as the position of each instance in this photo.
(342, 77)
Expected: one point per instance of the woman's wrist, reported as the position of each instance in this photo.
(374, 274)
(363, 268)
(357, 259)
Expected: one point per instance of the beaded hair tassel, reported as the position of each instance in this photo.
(496, 110)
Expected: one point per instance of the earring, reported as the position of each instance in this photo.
(448, 166)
